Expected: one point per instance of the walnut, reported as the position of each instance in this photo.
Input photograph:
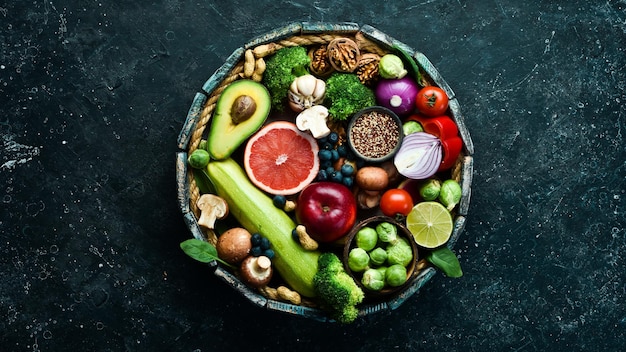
(320, 64)
(343, 54)
(367, 68)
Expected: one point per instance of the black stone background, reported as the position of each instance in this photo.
(93, 94)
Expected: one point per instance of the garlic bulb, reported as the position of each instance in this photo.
(306, 91)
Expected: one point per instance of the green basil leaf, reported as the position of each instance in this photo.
(199, 250)
(444, 259)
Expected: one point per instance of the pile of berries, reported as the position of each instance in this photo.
(331, 151)
(261, 246)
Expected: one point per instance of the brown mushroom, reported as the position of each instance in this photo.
(234, 245)
(371, 180)
(256, 271)
(212, 208)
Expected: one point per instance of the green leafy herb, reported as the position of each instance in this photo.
(201, 251)
(444, 259)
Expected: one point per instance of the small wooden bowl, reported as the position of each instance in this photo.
(402, 232)
(358, 145)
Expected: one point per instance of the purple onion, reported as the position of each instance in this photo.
(397, 95)
(419, 156)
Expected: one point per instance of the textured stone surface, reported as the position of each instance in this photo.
(93, 95)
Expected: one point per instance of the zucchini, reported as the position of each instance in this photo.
(256, 212)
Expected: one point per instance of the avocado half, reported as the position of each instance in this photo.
(240, 111)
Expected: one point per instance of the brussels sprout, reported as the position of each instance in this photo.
(391, 66)
(373, 279)
(411, 127)
(366, 238)
(199, 159)
(387, 232)
(450, 194)
(400, 252)
(378, 256)
(429, 190)
(395, 275)
(358, 259)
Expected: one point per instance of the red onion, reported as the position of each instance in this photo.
(419, 156)
(397, 95)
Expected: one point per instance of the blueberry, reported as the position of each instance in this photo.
(342, 150)
(269, 253)
(334, 155)
(325, 154)
(294, 235)
(336, 176)
(322, 175)
(265, 243)
(256, 239)
(347, 169)
(330, 170)
(348, 181)
(327, 146)
(325, 164)
(256, 251)
(323, 140)
(333, 138)
(279, 201)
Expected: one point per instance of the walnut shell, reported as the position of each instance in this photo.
(343, 54)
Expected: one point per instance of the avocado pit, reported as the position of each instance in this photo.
(243, 108)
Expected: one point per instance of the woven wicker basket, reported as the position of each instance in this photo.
(305, 34)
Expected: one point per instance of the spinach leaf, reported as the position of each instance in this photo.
(201, 251)
(444, 259)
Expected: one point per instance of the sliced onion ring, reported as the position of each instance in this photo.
(419, 156)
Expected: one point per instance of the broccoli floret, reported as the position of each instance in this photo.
(345, 95)
(280, 71)
(338, 292)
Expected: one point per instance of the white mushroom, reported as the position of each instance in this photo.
(305, 92)
(212, 208)
(314, 119)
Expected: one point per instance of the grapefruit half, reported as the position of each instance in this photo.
(280, 159)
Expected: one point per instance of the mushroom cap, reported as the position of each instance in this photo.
(256, 271)
(234, 245)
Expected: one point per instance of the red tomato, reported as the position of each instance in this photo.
(431, 101)
(396, 201)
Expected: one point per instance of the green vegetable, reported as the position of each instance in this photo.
(281, 70)
(201, 251)
(444, 259)
(410, 61)
(373, 279)
(366, 238)
(255, 211)
(378, 256)
(391, 66)
(395, 275)
(345, 95)
(411, 127)
(199, 159)
(450, 194)
(337, 291)
(429, 190)
(358, 259)
(399, 252)
(387, 232)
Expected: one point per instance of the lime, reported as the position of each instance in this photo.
(430, 223)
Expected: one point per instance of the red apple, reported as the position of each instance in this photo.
(327, 210)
